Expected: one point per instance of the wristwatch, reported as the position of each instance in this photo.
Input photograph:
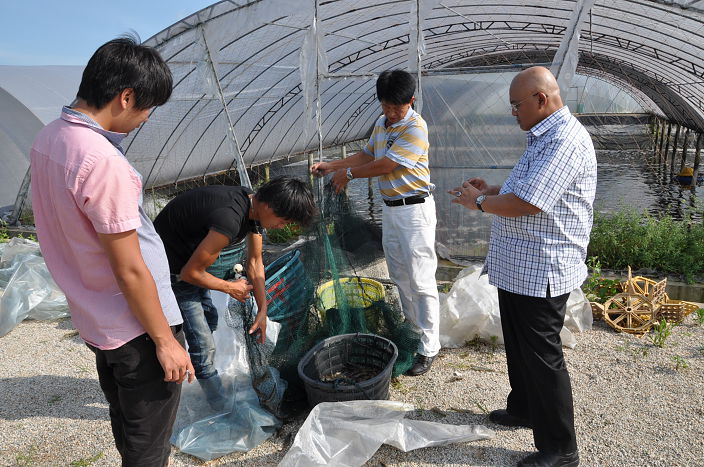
(349, 173)
(479, 201)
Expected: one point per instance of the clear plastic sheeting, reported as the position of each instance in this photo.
(349, 433)
(273, 68)
(206, 434)
(471, 309)
(27, 290)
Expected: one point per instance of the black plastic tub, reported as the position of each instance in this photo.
(348, 367)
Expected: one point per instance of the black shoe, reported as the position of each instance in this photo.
(421, 366)
(502, 417)
(540, 459)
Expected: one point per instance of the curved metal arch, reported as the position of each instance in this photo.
(623, 58)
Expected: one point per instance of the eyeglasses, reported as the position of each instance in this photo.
(514, 107)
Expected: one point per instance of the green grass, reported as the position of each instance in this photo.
(283, 235)
(641, 240)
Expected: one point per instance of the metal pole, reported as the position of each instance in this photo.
(21, 199)
(241, 169)
(419, 62)
(318, 108)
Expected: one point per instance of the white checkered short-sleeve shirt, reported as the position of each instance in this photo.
(557, 173)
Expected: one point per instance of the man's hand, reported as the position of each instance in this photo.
(175, 361)
(466, 195)
(478, 183)
(239, 289)
(340, 180)
(259, 327)
(321, 168)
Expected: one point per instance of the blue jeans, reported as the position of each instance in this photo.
(200, 319)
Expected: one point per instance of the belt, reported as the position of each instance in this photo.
(410, 200)
(176, 328)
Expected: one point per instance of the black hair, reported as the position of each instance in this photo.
(121, 64)
(289, 198)
(395, 87)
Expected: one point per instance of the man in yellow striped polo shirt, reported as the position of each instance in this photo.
(397, 153)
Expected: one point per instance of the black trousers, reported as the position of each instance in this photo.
(142, 405)
(540, 385)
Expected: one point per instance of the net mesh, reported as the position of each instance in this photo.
(319, 290)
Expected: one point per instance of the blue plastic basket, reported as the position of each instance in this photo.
(288, 289)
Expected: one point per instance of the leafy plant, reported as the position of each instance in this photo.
(700, 316)
(283, 235)
(680, 363)
(597, 288)
(642, 240)
(494, 343)
(661, 331)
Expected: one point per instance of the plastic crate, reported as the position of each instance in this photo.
(288, 288)
(328, 369)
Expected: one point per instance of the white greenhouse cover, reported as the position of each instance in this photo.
(260, 80)
(30, 97)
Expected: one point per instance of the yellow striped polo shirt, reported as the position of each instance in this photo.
(406, 143)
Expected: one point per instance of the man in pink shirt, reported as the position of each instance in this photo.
(103, 251)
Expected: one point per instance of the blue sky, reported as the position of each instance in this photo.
(67, 32)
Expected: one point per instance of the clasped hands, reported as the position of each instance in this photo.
(466, 194)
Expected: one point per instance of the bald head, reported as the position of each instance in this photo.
(539, 84)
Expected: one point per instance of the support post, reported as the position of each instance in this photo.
(697, 154)
(267, 175)
(667, 145)
(658, 135)
(683, 161)
(241, 168)
(674, 150)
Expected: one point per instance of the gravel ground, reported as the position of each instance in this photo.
(634, 405)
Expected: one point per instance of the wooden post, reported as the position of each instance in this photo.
(683, 162)
(658, 139)
(697, 153)
(663, 129)
(344, 151)
(667, 145)
(674, 151)
(266, 172)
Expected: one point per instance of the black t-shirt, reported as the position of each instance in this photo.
(185, 220)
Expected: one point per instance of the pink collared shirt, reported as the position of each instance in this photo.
(83, 185)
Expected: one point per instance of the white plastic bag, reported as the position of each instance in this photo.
(349, 433)
(471, 309)
(244, 424)
(26, 287)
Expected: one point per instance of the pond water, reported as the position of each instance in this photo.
(625, 178)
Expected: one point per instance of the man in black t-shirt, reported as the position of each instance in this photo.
(195, 227)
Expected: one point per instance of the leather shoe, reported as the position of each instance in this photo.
(544, 459)
(421, 366)
(502, 417)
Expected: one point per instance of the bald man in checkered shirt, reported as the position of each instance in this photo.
(539, 237)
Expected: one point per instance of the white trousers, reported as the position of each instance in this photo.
(409, 245)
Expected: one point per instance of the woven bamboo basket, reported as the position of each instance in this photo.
(675, 311)
(597, 310)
